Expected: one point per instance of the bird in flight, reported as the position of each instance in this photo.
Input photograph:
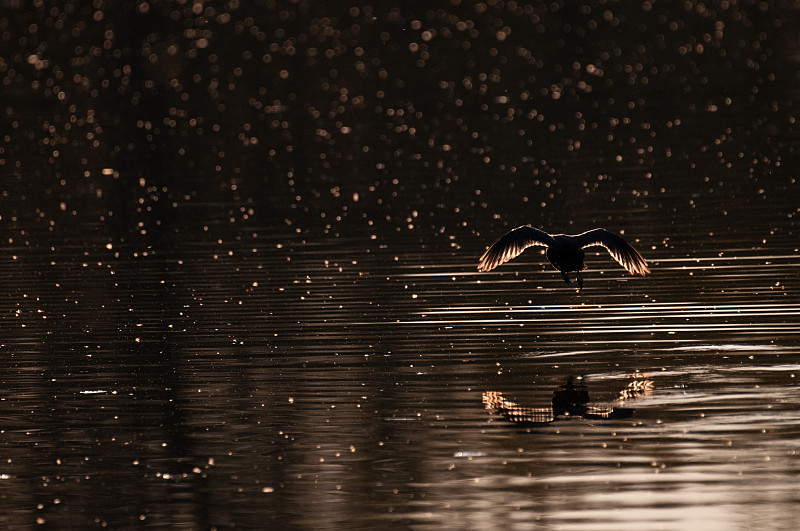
(564, 251)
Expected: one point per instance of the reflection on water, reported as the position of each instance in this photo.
(192, 383)
(238, 265)
(569, 400)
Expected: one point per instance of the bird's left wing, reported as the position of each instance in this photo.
(511, 245)
(618, 248)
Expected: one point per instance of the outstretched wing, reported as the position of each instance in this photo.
(511, 245)
(619, 249)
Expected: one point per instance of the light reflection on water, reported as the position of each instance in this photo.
(239, 265)
(195, 383)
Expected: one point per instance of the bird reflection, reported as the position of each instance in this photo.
(569, 401)
(565, 252)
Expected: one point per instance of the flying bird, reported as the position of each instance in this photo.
(564, 251)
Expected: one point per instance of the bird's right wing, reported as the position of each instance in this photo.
(617, 247)
(511, 245)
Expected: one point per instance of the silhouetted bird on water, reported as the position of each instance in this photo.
(570, 400)
(564, 252)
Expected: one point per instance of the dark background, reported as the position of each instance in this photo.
(297, 106)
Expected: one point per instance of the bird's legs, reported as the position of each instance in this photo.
(565, 276)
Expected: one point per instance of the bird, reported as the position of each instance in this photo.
(564, 251)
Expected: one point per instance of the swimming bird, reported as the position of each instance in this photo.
(564, 251)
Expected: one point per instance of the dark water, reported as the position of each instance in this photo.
(239, 266)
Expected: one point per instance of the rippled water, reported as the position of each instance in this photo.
(339, 383)
(239, 266)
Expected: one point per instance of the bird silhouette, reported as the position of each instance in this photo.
(564, 251)
(570, 401)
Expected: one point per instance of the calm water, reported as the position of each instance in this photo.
(239, 266)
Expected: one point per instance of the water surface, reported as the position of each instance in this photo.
(239, 267)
